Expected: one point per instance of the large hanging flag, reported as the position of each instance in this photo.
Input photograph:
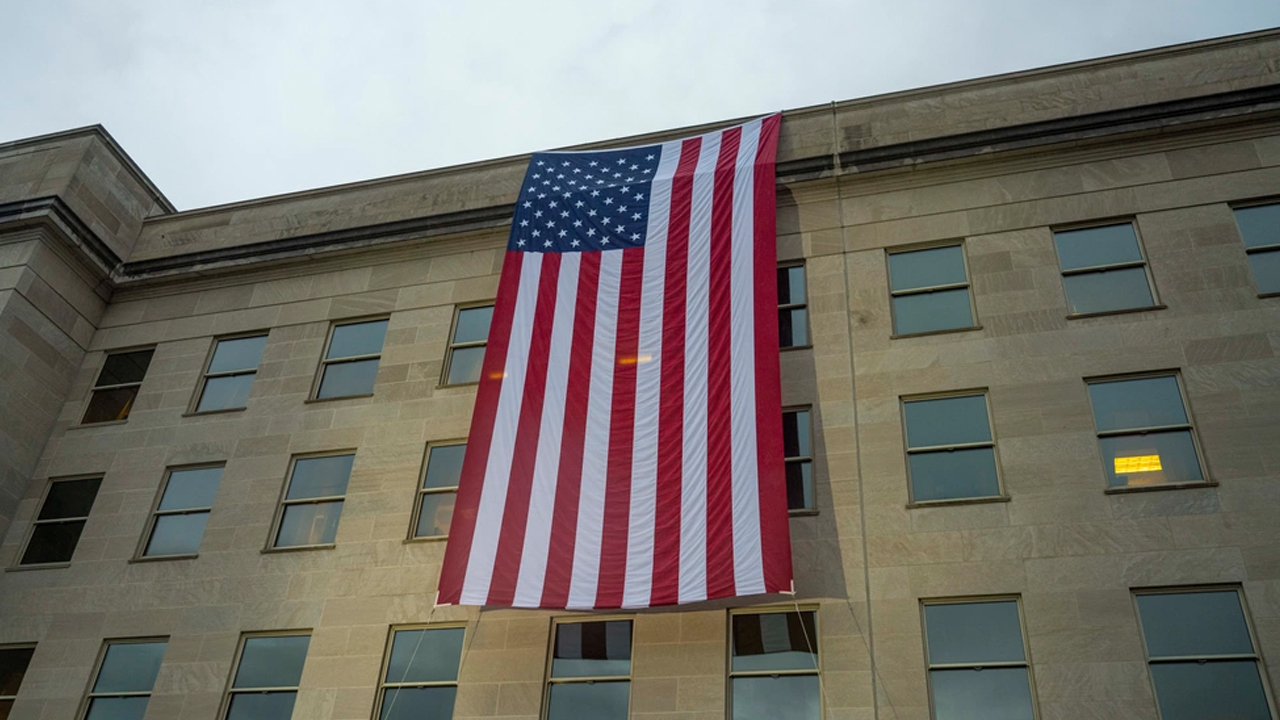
(626, 445)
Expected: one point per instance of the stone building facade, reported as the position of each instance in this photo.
(1090, 275)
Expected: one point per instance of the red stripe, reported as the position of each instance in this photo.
(617, 494)
(564, 521)
(774, 526)
(524, 456)
(719, 361)
(462, 530)
(666, 540)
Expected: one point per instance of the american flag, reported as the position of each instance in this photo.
(626, 445)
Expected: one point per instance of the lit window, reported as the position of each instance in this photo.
(57, 528)
(229, 375)
(1260, 229)
(350, 362)
(1144, 432)
(951, 453)
(977, 661)
(465, 357)
(930, 290)
(117, 386)
(266, 677)
(590, 668)
(438, 490)
(774, 669)
(797, 443)
(126, 675)
(421, 677)
(1204, 662)
(793, 308)
(312, 503)
(13, 666)
(1103, 269)
(186, 497)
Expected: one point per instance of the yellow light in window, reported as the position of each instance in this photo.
(1137, 464)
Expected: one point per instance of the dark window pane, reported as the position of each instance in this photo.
(70, 498)
(1107, 290)
(54, 542)
(1194, 623)
(124, 368)
(1259, 226)
(465, 365)
(272, 661)
(193, 488)
(444, 466)
(987, 694)
(425, 655)
(951, 474)
(320, 476)
(793, 327)
(774, 641)
(598, 701)
(1092, 247)
(473, 324)
(794, 697)
(309, 524)
(1227, 690)
(109, 405)
(800, 485)
(225, 393)
(791, 285)
(1150, 459)
(129, 667)
(428, 703)
(1137, 403)
(795, 434)
(13, 665)
(120, 708)
(1266, 270)
(237, 354)
(262, 706)
(976, 632)
(926, 268)
(436, 514)
(947, 421)
(932, 311)
(348, 378)
(357, 339)
(177, 534)
(592, 649)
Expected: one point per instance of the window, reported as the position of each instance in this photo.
(797, 443)
(177, 524)
(465, 356)
(350, 362)
(229, 374)
(438, 490)
(1203, 660)
(930, 290)
(1260, 229)
(1103, 269)
(266, 677)
(590, 671)
(126, 674)
(951, 453)
(793, 310)
(1144, 432)
(13, 666)
(420, 679)
(312, 501)
(978, 667)
(774, 668)
(117, 386)
(57, 528)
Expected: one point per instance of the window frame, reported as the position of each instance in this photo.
(808, 324)
(1027, 662)
(383, 685)
(1261, 249)
(87, 698)
(787, 460)
(1256, 656)
(548, 680)
(815, 642)
(1190, 426)
(36, 521)
(967, 285)
(139, 554)
(1002, 495)
(325, 361)
(229, 692)
(94, 388)
(1144, 263)
(450, 345)
(18, 646)
(205, 375)
(420, 491)
(282, 502)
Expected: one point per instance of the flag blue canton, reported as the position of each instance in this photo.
(574, 202)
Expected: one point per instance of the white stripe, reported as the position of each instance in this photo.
(546, 469)
(595, 455)
(497, 472)
(748, 558)
(693, 488)
(644, 456)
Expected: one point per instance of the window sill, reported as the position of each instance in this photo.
(202, 413)
(1126, 489)
(162, 558)
(959, 501)
(431, 539)
(297, 548)
(38, 566)
(1126, 311)
(309, 401)
(806, 346)
(948, 331)
(1269, 294)
(802, 512)
(108, 423)
(444, 386)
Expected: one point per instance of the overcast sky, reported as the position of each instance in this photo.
(220, 101)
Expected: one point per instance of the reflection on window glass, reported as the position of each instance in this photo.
(774, 665)
(313, 500)
(273, 662)
(1103, 269)
(1144, 432)
(977, 661)
(178, 524)
(930, 290)
(590, 671)
(793, 308)
(465, 356)
(950, 450)
(229, 378)
(350, 363)
(125, 680)
(438, 492)
(422, 673)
